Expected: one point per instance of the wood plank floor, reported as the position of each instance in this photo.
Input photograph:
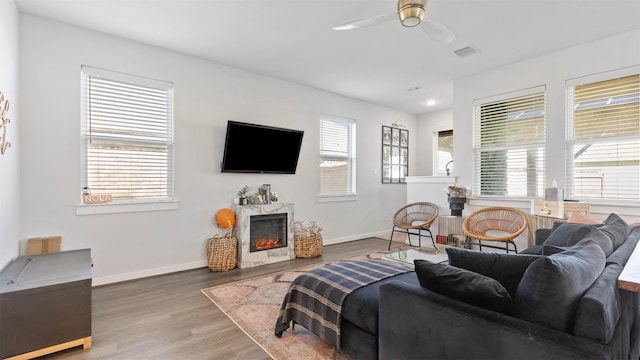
(167, 317)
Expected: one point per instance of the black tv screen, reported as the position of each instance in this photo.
(252, 148)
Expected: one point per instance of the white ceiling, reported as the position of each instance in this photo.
(292, 39)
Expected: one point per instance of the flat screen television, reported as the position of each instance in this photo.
(252, 148)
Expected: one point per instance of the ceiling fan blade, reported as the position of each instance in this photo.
(437, 31)
(366, 22)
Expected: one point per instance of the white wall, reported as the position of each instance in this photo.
(427, 125)
(129, 245)
(551, 70)
(10, 161)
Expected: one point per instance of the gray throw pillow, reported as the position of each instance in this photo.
(464, 285)
(506, 268)
(568, 232)
(600, 238)
(616, 229)
(552, 285)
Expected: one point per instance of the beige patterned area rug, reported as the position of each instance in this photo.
(253, 305)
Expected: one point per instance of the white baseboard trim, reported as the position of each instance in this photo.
(104, 280)
(383, 235)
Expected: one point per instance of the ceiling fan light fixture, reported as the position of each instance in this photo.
(411, 12)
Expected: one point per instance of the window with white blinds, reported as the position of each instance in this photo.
(509, 145)
(443, 153)
(337, 156)
(127, 136)
(603, 137)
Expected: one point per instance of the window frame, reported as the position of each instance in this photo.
(540, 145)
(351, 156)
(131, 204)
(571, 141)
(436, 153)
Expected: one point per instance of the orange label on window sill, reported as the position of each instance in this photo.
(96, 199)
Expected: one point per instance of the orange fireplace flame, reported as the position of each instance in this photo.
(266, 243)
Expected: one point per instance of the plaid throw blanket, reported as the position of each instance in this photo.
(314, 299)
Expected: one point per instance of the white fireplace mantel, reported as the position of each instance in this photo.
(246, 258)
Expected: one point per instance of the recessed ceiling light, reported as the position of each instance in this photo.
(431, 102)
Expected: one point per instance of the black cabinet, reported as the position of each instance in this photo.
(45, 304)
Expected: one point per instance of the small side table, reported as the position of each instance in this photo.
(629, 279)
(450, 226)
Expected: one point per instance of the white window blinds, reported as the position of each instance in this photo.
(127, 135)
(337, 156)
(509, 145)
(603, 138)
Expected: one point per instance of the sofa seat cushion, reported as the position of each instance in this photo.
(361, 306)
(508, 269)
(551, 287)
(464, 285)
(599, 308)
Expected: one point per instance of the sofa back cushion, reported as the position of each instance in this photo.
(464, 285)
(616, 229)
(551, 287)
(599, 309)
(621, 255)
(508, 269)
(566, 232)
(599, 237)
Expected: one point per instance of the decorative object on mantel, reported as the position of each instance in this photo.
(4, 109)
(264, 196)
(457, 197)
(395, 155)
(242, 195)
(222, 251)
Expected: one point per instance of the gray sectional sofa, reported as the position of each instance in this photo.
(560, 301)
(556, 300)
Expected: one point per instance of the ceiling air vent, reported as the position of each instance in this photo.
(466, 51)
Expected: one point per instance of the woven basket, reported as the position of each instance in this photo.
(222, 253)
(307, 246)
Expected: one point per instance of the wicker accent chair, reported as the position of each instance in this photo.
(416, 216)
(500, 224)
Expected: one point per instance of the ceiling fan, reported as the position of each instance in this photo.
(411, 13)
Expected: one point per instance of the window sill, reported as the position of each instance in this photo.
(620, 207)
(337, 198)
(125, 207)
